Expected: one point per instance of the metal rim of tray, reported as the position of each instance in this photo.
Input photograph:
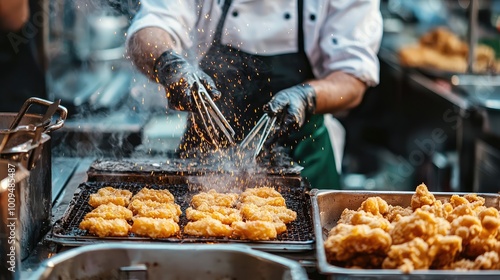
(324, 267)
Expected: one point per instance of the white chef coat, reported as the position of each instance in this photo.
(339, 34)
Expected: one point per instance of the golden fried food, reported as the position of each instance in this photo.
(103, 227)
(110, 195)
(262, 201)
(154, 228)
(252, 212)
(420, 224)
(229, 218)
(489, 260)
(110, 211)
(263, 192)
(397, 212)
(162, 196)
(153, 209)
(254, 230)
(408, 256)
(213, 198)
(443, 249)
(208, 227)
(422, 197)
(375, 206)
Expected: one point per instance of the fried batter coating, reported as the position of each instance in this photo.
(467, 227)
(488, 260)
(252, 212)
(444, 249)
(110, 195)
(261, 201)
(347, 241)
(154, 228)
(420, 224)
(397, 212)
(103, 227)
(361, 217)
(422, 197)
(153, 209)
(195, 215)
(375, 206)
(263, 192)
(212, 197)
(208, 227)
(490, 220)
(254, 230)
(163, 196)
(408, 256)
(110, 211)
(479, 246)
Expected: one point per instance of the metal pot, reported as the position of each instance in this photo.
(32, 150)
(13, 183)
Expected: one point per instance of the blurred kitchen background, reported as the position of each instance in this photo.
(416, 126)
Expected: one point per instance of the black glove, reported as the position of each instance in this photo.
(292, 106)
(178, 78)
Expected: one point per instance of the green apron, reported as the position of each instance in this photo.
(243, 99)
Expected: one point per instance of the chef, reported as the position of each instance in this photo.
(297, 60)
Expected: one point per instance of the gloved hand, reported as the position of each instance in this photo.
(292, 106)
(178, 78)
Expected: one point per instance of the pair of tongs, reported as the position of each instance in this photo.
(263, 128)
(211, 117)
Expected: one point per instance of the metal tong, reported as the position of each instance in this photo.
(211, 116)
(264, 127)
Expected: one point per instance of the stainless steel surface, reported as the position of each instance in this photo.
(13, 180)
(49, 127)
(327, 207)
(184, 261)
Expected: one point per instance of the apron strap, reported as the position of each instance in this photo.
(220, 25)
(300, 14)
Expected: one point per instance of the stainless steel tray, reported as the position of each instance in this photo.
(158, 261)
(327, 207)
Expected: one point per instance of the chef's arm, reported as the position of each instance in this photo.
(13, 14)
(336, 92)
(146, 45)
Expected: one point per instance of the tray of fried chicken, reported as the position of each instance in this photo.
(263, 217)
(407, 234)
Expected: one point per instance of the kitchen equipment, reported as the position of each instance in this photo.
(13, 183)
(298, 237)
(34, 153)
(487, 164)
(167, 261)
(328, 206)
(265, 122)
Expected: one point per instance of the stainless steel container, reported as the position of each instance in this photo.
(13, 180)
(160, 261)
(328, 206)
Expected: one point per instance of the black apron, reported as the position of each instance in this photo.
(248, 82)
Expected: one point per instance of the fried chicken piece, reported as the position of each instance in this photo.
(438, 209)
(252, 212)
(110, 195)
(261, 201)
(490, 220)
(254, 230)
(420, 224)
(162, 196)
(478, 246)
(229, 218)
(347, 241)
(397, 212)
(110, 211)
(423, 56)
(467, 227)
(444, 41)
(208, 227)
(153, 209)
(361, 217)
(422, 197)
(154, 228)
(263, 192)
(374, 205)
(488, 260)
(466, 205)
(212, 197)
(444, 249)
(103, 227)
(408, 256)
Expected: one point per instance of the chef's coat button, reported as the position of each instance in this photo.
(312, 17)
(235, 13)
(287, 16)
(334, 41)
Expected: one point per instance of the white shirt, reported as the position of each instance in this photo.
(339, 34)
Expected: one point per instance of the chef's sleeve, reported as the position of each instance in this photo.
(350, 39)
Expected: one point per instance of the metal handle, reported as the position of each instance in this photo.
(63, 113)
(264, 126)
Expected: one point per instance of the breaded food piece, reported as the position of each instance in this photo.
(208, 227)
(110, 211)
(154, 228)
(213, 198)
(195, 215)
(254, 230)
(347, 241)
(103, 227)
(444, 249)
(375, 206)
(373, 221)
(422, 197)
(420, 224)
(163, 196)
(261, 201)
(397, 212)
(110, 195)
(153, 209)
(408, 256)
(488, 260)
(252, 212)
(264, 192)
(467, 227)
